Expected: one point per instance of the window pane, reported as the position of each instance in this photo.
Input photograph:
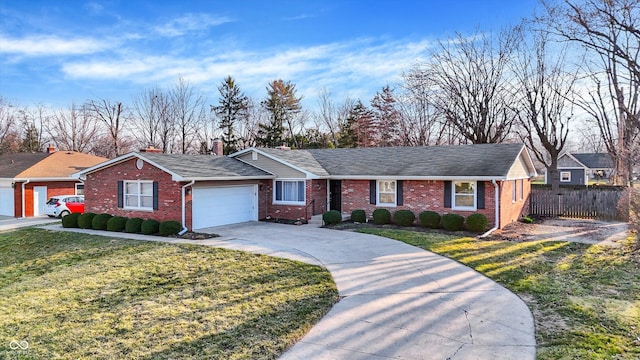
(147, 201)
(147, 188)
(289, 191)
(387, 198)
(464, 188)
(279, 190)
(131, 188)
(464, 200)
(131, 200)
(301, 190)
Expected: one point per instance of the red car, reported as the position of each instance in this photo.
(64, 205)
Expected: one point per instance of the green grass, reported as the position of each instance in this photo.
(585, 298)
(78, 296)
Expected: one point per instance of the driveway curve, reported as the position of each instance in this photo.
(397, 301)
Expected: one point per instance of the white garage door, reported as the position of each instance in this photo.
(6, 198)
(214, 206)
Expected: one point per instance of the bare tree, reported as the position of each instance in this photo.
(154, 123)
(472, 87)
(33, 121)
(73, 129)
(9, 137)
(186, 105)
(113, 116)
(250, 126)
(386, 118)
(330, 115)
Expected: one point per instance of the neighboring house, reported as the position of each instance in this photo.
(581, 168)
(27, 180)
(256, 183)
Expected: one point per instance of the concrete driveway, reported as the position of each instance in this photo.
(398, 301)
(11, 223)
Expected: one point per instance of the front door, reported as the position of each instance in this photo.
(335, 195)
(39, 200)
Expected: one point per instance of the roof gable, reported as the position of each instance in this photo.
(594, 160)
(13, 164)
(60, 164)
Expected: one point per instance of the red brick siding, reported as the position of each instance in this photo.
(315, 189)
(418, 196)
(101, 192)
(511, 211)
(54, 188)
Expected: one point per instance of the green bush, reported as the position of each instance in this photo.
(117, 223)
(85, 220)
(70, 221)
(99, 221)
(133, 225)
(404, 217)
(430, 219)
(452, 222)
(170, 227)
(150, 227)
(527, 220)
(332, 217)
(359, 216)
(381, 216)
(477, 223)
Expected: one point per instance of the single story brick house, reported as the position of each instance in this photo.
(580, 168)
(256, 183)
(28, 180)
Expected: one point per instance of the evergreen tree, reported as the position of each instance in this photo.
(282, 105)
(357, 128)
(232, 108)
(30, 141)
(386, 118)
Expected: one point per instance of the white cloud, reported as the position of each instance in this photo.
(189, 23)
(44, 45)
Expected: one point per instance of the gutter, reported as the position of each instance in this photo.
(23, 200)
(496, 197)
(184, 217)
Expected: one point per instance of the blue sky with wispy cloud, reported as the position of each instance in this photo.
(56, 52)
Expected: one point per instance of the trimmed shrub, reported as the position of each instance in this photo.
(452, 222)
(404, 217)
(430, 219)
(381, 216)
(359, 216)
(116, 223)
(477, 223)
(150, 227)
(332, 217)
(71, 220)
(85, 220)
(170, 227)
(99, 221)
(133, 226)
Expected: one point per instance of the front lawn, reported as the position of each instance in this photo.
(78, 296)
(585, 298)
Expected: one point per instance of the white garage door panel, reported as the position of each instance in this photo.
(6, 199)
(216, 206)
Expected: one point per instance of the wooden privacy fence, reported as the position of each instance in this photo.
(585, 202)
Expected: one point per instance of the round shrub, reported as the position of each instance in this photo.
(150, 227)
(85, 220)
(133, 226)
(430, 219)
(332, 217)
(70, 221)
(452, 222)
(477, 223)
(116, 223)
(99, 221)
(170, 227)
(404, 217)
(359, 216)
(381, 216)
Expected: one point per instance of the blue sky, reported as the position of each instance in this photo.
(56, 52)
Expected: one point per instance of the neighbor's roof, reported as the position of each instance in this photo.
(60, 164)
(480, 160)
(594, 160)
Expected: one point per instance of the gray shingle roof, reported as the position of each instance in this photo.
(491, 160)
(594, 160)
(204, 166)
(13, 164)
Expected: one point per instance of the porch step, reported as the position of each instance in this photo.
(316, 220)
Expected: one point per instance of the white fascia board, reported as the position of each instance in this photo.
(45, 179)
(226, 178)
(524, 151)
(437, 178)
(125, 157)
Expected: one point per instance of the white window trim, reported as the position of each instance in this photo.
(395, 193)
(521, 189)
(475, 196)
(76, 189)
(568, 177)
(296, 203)
(514, 191)
(124, 195)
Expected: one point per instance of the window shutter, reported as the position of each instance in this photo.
(120, 194)
(447, 194)
(400, 195)
(480, 194)
(372, 192)
(155, 195)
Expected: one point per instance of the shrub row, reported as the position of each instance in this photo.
(430, 219)
(120, 223)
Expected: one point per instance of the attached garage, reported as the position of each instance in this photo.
(6, 194)
(215, 206)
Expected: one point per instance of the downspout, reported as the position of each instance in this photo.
(184, 205)
(23, 200)
(496, 196)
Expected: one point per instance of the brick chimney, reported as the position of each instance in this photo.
(51, 149)
(151, 149)
(283, 147)
(216, 146)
